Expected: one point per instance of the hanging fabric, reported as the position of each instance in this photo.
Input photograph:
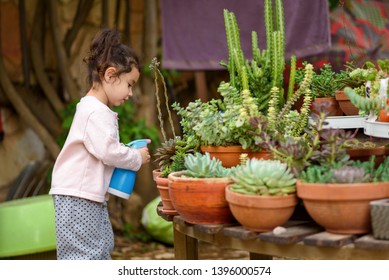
(193, 31)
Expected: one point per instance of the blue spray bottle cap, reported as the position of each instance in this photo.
(123, 180)
(140, 143)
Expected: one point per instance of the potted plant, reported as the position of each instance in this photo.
(219, 125)
(262, 195)
(346, 78)
(329, 183)
(198, 192)
(170, 155)
(338, 197)
(324, 86)
(363, 150)
(170, 158)
(371, 94)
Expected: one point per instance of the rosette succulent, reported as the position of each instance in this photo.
(263, 177)
(203, 166)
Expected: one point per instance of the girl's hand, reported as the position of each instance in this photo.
(144, 152)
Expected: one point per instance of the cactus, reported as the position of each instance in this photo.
(279, 120)
(263, 177)
(266, 68)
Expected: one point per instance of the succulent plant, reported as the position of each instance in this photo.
(319, 145)
(263, 177)
(353, 172)
(349, 174)
(170, 156)
(203, 166)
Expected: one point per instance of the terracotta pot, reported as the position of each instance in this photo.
(156, 172)
(261, 213)
(200, 200)
(334, 109)
(345, 104)
(163, 188)
(363, 154)
(229, 155)
(341, 208)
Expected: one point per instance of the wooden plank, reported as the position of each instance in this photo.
(291, 234)
(240, 233)
(208, 229)
(326, 239)
(369, 242)
(180, 221)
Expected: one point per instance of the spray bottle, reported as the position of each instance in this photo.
(123, 180)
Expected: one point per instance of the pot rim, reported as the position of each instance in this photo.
(259, 201)
(178, 176)
(339, 191)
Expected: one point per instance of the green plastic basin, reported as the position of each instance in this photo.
(27, 226)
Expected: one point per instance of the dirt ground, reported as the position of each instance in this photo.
(126, 249)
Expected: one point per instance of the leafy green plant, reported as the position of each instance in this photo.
(263, 177)
(131, 233)
(357, 78)
(219, 122)
(132, 128)
(325, 83)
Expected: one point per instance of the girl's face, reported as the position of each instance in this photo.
(119, 89)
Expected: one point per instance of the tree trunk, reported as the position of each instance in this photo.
(38, 61)
(150, 41)
(59, 49)
(83, 9)
(25, 113)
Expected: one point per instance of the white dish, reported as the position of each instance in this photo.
(344, 122)
(377, 129)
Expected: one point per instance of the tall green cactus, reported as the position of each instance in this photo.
(266, 68)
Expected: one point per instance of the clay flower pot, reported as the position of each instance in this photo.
(200, 200)
(155, 173)
(334, 109)
(364, 154)
(345, 104)
(163, 188)
(341, 208)
(261, 213)
(229, 155)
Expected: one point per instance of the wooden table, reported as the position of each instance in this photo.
(299, 240)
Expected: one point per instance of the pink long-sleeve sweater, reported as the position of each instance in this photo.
(92, 149)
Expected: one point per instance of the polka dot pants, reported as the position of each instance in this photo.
(83, 229)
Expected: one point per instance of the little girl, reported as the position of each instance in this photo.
(84, 167)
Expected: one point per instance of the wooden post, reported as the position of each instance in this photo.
(185, 247)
